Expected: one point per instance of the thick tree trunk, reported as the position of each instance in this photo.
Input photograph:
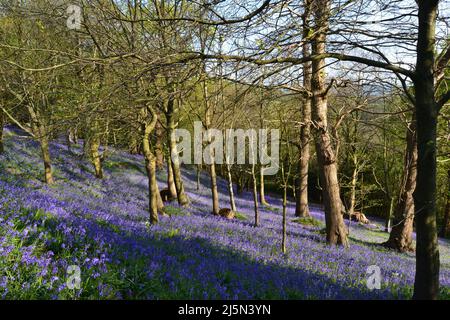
(170, 180)
(95, 156)
(335, 227)
(400, 237)
(445, 231)
(301, 203)
(47, 159)
(426, 284)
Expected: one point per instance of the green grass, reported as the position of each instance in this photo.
(241, 216)
(308, 221)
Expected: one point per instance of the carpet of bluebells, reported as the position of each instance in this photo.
(102, 227)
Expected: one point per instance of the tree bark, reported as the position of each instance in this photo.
(301, 203)
(150, 166)
(182, 198)
(400, 237)
(95, 156)
(159, 146)
(426, 285)
(335, 227)
(230, 188)
(47, 160)
(445, 231)
(2, 123)
(262, 194)
(40, 130)
(170, 180)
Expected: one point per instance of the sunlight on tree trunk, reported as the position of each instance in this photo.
(400, 237)
(335, 227)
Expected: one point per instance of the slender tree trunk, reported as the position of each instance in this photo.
(2, 123)
(445, 231)
(262, 194)
(255, 196)
(150, 166)
(353, 183)
(170, 180)
(183, 200)
(159, 147)
(335, 227)
(199, 168)
(301, 203)
(214, 193)
(230, 188)
(400, 237)
(283, 242)
(426, 284)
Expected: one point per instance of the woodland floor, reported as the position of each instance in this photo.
(101, 226)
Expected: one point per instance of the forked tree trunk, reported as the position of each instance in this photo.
(335, 227)
(426, 285)
(40, 130)
(301, 203)
(400, 237)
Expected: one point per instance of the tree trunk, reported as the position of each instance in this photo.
(230, 188)
(182, 198)
(400, 237)
(170, 180)
(95, 156)
(351, 209)
(335, 227)
(301, 203)
(214, 193)
(47, 159)
(159, 147)
(255, 196)
(262, 195)
(426, 285)
(445, 231)
(283, 241)
(2, 123)
(150, 166)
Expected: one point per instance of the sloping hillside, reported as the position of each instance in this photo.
(101, 226)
